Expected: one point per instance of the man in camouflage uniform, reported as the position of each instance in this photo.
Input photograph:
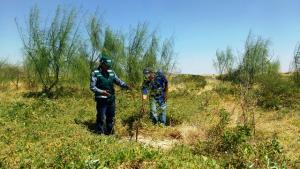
(156, 86)
(102, 84)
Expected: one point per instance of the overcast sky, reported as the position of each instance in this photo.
(199, 27)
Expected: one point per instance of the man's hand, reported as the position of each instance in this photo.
(144, 97)
(105, 93)
(128, 87)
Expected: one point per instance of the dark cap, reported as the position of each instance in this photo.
(106, 61)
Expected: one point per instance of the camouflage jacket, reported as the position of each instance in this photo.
(157, 87)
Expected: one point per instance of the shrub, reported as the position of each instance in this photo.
(232, 76)
(224, 61)
(276, 92)
(271, 154)
(296, 65)
(225, 89)
(49, 48)
(254, 62)
(194, 81)
(219, 128)
(231, 140)
(200, 81)
(234, 149)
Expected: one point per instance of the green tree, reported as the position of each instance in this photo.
(3, 79)
(167, 56)
(2, 62)
(31, 76)
(296, 65)
(114, 47)
(14, 74)
(93, 51)
(10, 73)
(150, 57)
(256, 59)
(79, 70)
(224, 61)
(136, 51)
(49, 48)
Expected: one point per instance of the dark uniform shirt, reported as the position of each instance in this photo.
(109, 74)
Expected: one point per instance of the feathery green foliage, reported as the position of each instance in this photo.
(296, 65)
(255, 60)
(136, 51)
(224, 61)
(49, 48)
(151, 55)
(166, 62)
(93, 50)
(114, 47)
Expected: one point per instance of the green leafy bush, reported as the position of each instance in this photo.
(232, 76)
(275, 92)
(233, 147)
(231, 140)
(196, 80)
(271, 154)
(225, 89)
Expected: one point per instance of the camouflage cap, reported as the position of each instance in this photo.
(148, 71)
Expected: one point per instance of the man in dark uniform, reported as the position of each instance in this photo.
(102, 84)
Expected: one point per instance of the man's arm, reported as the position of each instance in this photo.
(120, 83)
(166, 87)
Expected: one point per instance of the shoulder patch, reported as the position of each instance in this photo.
(97, 73)
(111, 74)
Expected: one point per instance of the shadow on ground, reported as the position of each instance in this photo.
(38, 95)
(89, 124)
(61, 92)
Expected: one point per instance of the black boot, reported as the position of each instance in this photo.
(99, 129)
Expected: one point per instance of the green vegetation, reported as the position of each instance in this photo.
(57, 54)
(296, 65)
(259, 75)
(10, 74)
(224, 61)
(234, 148)
(247, 118)
(58, 133)
(277, 92)
(49, 49)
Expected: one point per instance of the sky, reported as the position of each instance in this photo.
(198, 27)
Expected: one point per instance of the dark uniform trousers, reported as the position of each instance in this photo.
(105, 116)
